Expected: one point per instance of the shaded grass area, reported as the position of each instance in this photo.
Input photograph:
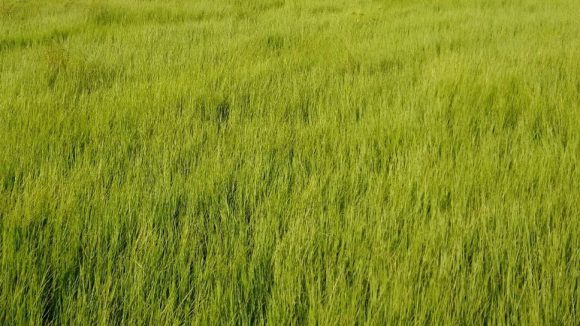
(251, 162)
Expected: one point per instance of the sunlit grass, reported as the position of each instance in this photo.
(286, 162)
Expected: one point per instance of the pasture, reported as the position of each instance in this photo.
(237, 162)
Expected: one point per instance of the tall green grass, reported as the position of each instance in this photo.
(289, 162)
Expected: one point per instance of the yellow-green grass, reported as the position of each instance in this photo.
(289, 162)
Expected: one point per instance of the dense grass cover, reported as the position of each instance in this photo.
(289, 162)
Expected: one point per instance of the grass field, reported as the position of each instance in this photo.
(289, 162)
